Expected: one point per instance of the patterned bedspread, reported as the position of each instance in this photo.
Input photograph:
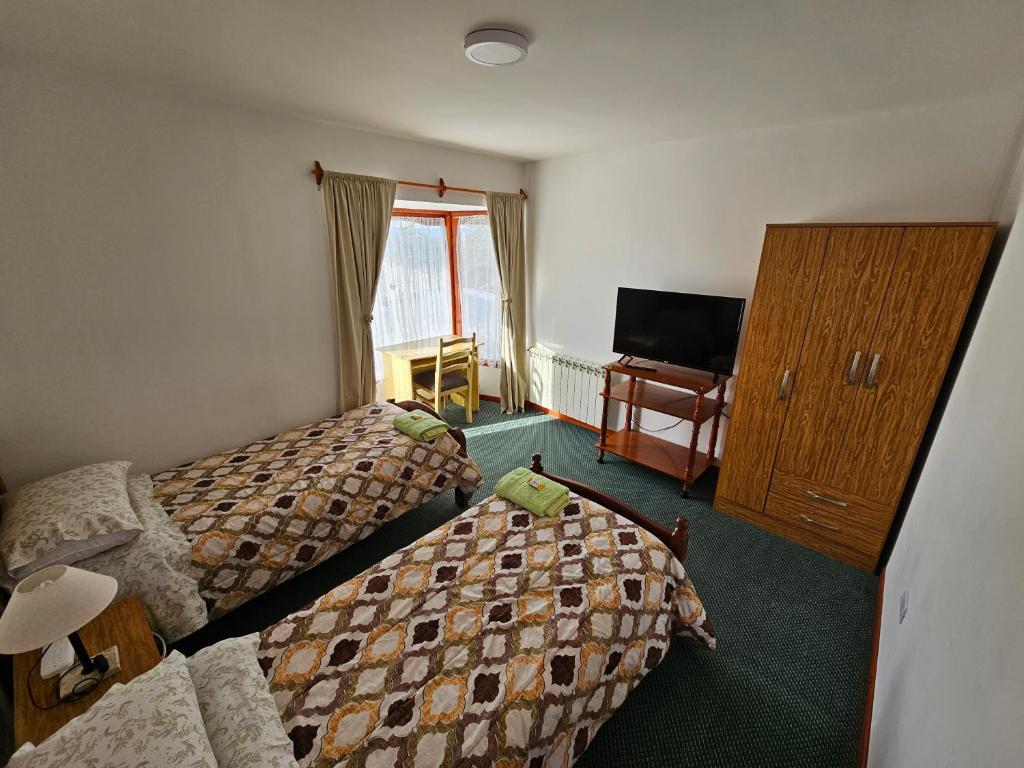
(498, 639)
(258, 515)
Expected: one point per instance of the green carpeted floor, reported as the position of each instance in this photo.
(786, 686)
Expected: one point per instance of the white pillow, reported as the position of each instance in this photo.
(66, 518)
(156, 567)
(241, 718)
(152, 722)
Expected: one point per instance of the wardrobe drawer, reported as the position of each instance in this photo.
(826, 499)
(845, 526)
(853, 545)
(840, 537)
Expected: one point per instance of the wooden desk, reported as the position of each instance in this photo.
(405, 360)
(122, 624)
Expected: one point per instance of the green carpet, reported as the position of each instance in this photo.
(786, 686)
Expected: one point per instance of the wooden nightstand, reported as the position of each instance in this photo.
(123, 624)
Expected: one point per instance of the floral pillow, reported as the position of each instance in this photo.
(152, 721)
(156, 567)
(241, 718)
(66, 518)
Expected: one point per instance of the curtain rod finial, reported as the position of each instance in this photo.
(441, 187)
(522, 193)
(318, 172)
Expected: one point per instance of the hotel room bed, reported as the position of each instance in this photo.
(258, 515)
(218, 531)
(498, 639)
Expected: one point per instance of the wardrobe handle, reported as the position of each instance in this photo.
(869, 380)
(782, 385)
(818, 523)
(852, 377)
(826, 499)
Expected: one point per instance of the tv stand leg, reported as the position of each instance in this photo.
(606, 396)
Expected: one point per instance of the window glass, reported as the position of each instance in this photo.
(414, 293)
(479, 285)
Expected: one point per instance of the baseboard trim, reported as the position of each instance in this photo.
(561, 416)
(865, 733)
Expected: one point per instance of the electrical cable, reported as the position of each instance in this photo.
(636, 424)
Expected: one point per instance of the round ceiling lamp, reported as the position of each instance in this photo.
(495, 47)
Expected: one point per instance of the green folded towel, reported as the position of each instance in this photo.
(420, 425)
(536, 493)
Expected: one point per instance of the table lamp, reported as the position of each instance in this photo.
(54, 603)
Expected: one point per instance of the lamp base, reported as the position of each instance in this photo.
(74, 679)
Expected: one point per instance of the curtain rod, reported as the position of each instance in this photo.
(441, 187)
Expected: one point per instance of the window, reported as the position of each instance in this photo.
(479, 284)
(439, 276)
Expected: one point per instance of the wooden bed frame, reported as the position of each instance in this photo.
(676, 540)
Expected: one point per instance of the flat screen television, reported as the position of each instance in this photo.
(687, 329)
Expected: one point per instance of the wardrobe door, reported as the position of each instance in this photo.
(930, 290)
(851, 287)
(790, 261)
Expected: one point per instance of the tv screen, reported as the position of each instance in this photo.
(686, 329)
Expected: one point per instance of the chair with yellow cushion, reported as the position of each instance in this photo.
(452, 374)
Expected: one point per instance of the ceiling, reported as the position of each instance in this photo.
(599, 73)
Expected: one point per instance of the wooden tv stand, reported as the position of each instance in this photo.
(669, 389)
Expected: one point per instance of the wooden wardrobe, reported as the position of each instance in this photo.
(850, 333)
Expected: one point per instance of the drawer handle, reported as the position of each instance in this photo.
(826, 499)
(818, 523)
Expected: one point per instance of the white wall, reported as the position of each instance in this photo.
(690, 215)
(164, 279)
(950, 683)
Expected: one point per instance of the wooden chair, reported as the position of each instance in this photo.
(452, 375)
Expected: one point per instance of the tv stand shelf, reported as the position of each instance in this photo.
(670, 389)
(674, 402)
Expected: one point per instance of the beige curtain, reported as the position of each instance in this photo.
(505, 212)
(358, 214)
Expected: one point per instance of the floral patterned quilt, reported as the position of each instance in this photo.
(500, 639)
(258, 515)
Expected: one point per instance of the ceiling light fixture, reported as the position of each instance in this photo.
(495, 47)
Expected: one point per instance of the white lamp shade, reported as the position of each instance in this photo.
(51, 604)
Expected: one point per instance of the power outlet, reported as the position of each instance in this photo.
(904, 604)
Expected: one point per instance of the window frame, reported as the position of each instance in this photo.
(451, 222)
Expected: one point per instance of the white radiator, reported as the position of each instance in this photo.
(566, 384)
